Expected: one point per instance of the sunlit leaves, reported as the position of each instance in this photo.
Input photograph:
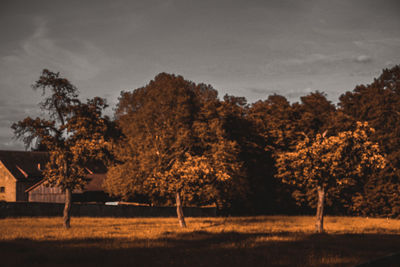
(331, 162)
(379, 104)
(175, 142)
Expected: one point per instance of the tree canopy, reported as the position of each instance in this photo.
(179, 142)
(329, 164)
(74, 134)
(378, 103)
(175, 143)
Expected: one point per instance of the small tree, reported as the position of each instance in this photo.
(327, 165)
(74, 134)
(193, 177)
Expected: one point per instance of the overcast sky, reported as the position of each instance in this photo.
(244, 48)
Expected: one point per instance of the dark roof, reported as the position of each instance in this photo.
(95, 183)
(27, 165)
(24, 165)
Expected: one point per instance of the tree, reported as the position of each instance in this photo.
(314, 113)
(254, 155)
(326, 165)
(378, 103)
(74, 134)
(276, 121)
(283, 125)
(172, 128)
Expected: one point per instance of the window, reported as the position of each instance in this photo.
(2, 189)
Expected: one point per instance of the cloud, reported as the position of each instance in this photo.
(317, 60)
(389, 64)
(7, 140)
(40, 47)
(7, 143)
(11, 112)
(388, 42)
(363, 59)
(308, 64)
(259, 91)
(77, 58)
(312, 58)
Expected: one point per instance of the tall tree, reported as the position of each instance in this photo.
(378, 103)
(276, 121)
(253, 152)
(171, 126)
(326, 165)
(314, 113)
(283, 125)
(74, 134)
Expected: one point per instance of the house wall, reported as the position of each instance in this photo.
(43, 193)
(21, 187)
(9, 183)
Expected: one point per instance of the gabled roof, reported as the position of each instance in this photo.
(35, 186)
(24, 165)
(28, 165)
(95, 183)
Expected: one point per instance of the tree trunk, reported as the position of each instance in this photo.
(179, 210)
(319, 224)
(67, 208)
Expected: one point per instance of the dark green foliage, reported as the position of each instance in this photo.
(379, 104)
(283, 125)
(175, 143)
(275, 120)
(179, 137)
(315, 113)
(255, 154)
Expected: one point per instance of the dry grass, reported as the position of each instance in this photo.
(242, 241)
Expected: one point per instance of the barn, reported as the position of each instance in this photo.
(93, 191)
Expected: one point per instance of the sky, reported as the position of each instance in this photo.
(242, 48)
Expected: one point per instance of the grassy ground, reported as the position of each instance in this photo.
(243, 241)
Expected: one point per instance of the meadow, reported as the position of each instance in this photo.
(231, 241)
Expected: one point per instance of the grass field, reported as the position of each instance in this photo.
(241, 241)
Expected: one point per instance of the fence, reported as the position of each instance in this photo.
(36, 209)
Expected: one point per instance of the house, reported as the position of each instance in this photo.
(19, 170)
(21, 179)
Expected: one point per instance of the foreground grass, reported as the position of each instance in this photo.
(243, 241)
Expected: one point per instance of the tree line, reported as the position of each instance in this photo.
(175, 141)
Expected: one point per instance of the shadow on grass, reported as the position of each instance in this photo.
(245, 221)
(202, 248)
